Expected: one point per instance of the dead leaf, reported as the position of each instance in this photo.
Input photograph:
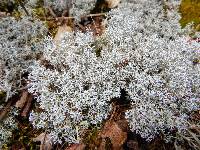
(27, 106)
(112, 3)
(20, 103)
(45, 139)
(114, 133)
(61, 31)
(76, 147)
(3, 14)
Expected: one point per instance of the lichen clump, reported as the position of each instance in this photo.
(7, 125)
(20, 43)
(146, 53)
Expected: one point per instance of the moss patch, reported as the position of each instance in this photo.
(190, 12)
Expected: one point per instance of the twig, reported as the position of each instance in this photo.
(52, 12)
(24, 88)
(195, 137)
(176, 146)
(27, 106)
(81, 26)
(23, 7)
(94, 15)
(65, 13)
(65, 18)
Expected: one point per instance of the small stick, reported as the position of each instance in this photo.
(52, 12)
(65, 18)
(24, 88)
(23, 7)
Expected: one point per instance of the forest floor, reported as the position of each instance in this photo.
(114, 133)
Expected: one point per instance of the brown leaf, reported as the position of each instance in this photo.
(27, 106)
(3, 14)
(76, 147)
(61, 31)
(20, 103)
(45, 140)
(113, 133)
(112, 3)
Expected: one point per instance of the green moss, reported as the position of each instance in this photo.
(190, 12)
(91, 138)
(2, 97)
(5, 147)
(38, 12)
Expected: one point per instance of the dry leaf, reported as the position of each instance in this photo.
(61, 31)
(76, 147)
(113, 3)
(45, 140)
(112, 136)
(3, 14)
(114, 133)
(20, 103)
(27, 106)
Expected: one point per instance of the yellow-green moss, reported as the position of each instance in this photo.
(2, 96)
(190, 12)
(91, 139)
(39, 12)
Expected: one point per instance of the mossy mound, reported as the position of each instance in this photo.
(190, 12)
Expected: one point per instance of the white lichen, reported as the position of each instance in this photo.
(145, 52)
(20, 42)
(7, 126)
